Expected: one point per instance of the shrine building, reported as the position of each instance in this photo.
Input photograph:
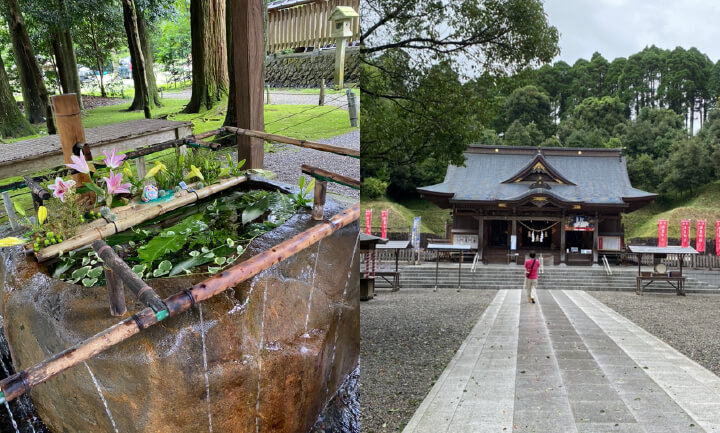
(564, 203)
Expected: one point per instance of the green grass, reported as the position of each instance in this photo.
(313, 90)
(704, 205)
(400, 215)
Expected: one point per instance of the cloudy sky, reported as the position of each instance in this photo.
(619, 28)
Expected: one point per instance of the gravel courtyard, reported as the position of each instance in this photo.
(407, 339)
(690, 324)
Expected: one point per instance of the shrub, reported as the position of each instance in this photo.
(373, 188)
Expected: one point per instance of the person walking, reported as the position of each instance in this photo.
(531, 276)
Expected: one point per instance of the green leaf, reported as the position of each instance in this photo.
(161, 245)
(213, 269)
(200, 259)
(230, 242)
(80, 273)
(165, 266)
(302, 182)
(159, 272)
(256, 210)
(62, 267)
(85, 261)
(139, 270)
(240, 249)
(194, 253)
(94, 188)
(19, 210)
(89, 282)
(95, 272)
(220, 260)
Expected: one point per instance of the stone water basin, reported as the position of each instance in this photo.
(266, 356)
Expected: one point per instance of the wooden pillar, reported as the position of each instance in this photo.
(562, 238)
(481, 236)
(595, 238)
(70, 130)
(248, 55)
(340, 62)
(319, 200)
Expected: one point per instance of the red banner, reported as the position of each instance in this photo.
(700, 236)
(717, 238)
(383, 223)
(662, 233)
(685, 233)
(368, 220)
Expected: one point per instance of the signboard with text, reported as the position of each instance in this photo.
(416, 233)
(662, 233)
(700, 236)
(383, 223)
(685, 233)
(368, 221)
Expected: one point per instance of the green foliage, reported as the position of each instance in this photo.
(373, 188)
(687, 168)
(529, 105)
(301, 198)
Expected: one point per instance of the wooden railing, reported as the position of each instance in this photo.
(305, 24)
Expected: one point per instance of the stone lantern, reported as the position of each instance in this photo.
(341, 18)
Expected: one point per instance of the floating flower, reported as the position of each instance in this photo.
(61, 188)
(159, 166)
(114, 186)
(79, 164)
(194, 172)
(41, 214)
(113, 160)
(11, 242)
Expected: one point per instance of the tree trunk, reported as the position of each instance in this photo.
(231, 113)
(98, 59)
(209, 55)
(35, 95)
(12, 122)
(149, 61)
(137, 58)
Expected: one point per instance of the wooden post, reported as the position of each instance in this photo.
(267, 95)
(141, 168)
(321, 102)
(248, 55)
(116, 292)
(340, 62)
(595, 238)
(352, 109)
(70, 130)
(319, 200)
(10, 210)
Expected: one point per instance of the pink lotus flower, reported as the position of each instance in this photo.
(79, 164)
(114, 186)
(61, 188)
(113, 160)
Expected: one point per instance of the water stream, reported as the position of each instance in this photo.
(259, 356)
(205, 368)
(102, 397)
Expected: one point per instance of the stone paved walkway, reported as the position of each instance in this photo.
(567, 364)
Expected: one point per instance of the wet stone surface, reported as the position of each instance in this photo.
(267, 355)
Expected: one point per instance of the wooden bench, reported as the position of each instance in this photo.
(678, 283)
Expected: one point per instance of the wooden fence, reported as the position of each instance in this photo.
(305, 24)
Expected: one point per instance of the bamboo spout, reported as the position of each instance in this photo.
(22, 382)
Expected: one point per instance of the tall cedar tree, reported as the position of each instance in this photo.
(209, 55)
(35, 94)
(12, 122)
(137, 58)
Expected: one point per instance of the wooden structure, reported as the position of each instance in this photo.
(560, 202)
(367, 274)
(660, 271)
(449, 248)
(385, 272)
(301, 24)
(26, 157)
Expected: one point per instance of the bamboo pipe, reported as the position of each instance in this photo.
(20, 383)
(140, 288)
(294, 141)
(321, 174)
(133, 218)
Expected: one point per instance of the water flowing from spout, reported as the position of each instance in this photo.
(312, 289)
(260, 348)
(205, 366)
(99, 390)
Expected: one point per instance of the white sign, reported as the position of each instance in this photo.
(513, 242)
(471, 240)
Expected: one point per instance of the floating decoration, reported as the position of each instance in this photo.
(150, 192)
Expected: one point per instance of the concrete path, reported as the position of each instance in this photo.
(567, 364)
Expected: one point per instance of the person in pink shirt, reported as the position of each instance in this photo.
(531, 276)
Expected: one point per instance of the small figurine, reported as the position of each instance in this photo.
(150, 193)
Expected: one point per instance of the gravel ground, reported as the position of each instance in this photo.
(689, 324)
(284, 98)
(407, 339)
(286, 162)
